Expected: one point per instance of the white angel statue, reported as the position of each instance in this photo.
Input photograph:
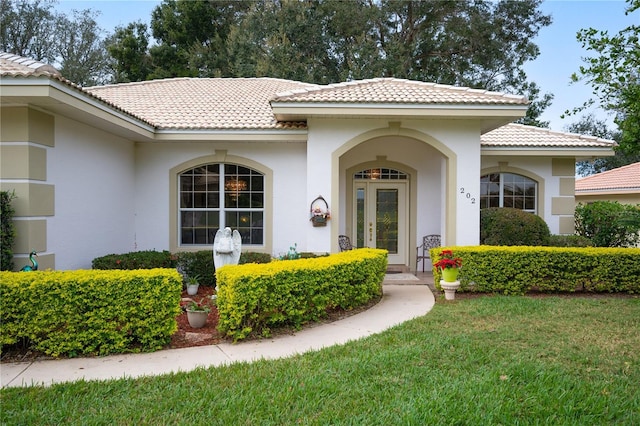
(226, 247)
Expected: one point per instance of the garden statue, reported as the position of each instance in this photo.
(34, 264)
(226, 247)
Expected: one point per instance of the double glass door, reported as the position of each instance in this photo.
(381, 217)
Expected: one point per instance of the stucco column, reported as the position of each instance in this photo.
(466, 193)
(321, 178)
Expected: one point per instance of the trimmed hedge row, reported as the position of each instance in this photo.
(90, 312)
(253, 298)
(146, 259)
(519, 269)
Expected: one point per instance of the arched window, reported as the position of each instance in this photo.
(215, 196)
(508, 190)
(382, 174)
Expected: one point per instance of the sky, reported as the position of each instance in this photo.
(560, 53)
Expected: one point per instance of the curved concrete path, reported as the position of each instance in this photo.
(399, 303)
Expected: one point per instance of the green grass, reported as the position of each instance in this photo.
(491, 360)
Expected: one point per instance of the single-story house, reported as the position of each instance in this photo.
(164, 164)
(621, 184)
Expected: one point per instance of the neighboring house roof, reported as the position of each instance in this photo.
(396, 91)
(623, 179)
(518, 135)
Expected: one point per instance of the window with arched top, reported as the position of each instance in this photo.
(381, 174)
(508, 190)
(214, 196)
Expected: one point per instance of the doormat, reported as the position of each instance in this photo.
(400, 277)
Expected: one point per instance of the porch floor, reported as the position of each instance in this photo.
(398, 275)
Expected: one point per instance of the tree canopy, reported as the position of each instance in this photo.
(479, 44)
(31, 28)
(614, 74)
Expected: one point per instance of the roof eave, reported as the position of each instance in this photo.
(58, 97)
(565, 151)
(611, 191)
(299, 111)
(231, 135)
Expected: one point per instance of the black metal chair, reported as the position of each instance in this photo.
(344, 242)
(422, 251)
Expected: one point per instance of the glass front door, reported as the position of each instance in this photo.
(380, 219)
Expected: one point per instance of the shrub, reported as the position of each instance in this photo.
(517, 270)
(7, 230)
(90, 312)
(608, 223)
(149, 259)
(512, 227)
(253, 257)
(197, 263)
(569, 241)
(254, 298)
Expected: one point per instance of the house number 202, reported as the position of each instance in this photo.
(468, 196)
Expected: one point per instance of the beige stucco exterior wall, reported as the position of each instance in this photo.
(555, 177)
(26, 135)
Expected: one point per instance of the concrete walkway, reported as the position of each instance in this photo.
(401, 301)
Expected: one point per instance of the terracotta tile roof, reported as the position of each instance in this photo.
(397, 91)
(18, 66)
(202, 103)
(625, 178)
(518, 135)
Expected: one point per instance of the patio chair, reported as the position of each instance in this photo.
(422, 251)
(344, 242)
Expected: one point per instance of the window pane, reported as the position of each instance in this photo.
(518, 191)
(257, 200)
(186, 200)
(199, 200)
(200, 188)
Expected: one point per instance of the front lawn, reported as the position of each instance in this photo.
(489, 360)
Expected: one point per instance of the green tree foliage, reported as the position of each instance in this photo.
(612, 71)
(30, 28)
(81, 49)
(27, 28)
(128, 46)
(512, 227)
(609, 223)
(7, 230)
(194, 35)
(589, 125)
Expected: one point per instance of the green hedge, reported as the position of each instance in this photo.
(519, 269)
(253, 298)
(197, 264)
(90, 312)
(148, 259)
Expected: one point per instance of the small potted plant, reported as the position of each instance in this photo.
(192, 285)
(198, 312)
(449, 265)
